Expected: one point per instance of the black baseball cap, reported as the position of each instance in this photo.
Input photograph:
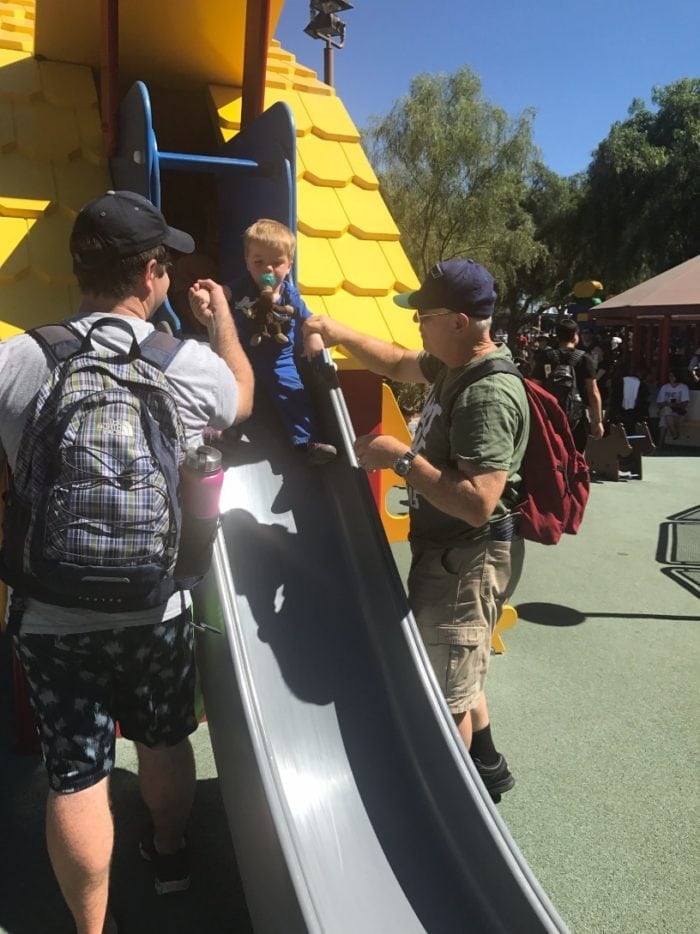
(460, 285)
(124, 224)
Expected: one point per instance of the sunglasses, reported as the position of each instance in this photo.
(419, 316)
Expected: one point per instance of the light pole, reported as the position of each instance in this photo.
(325, 24)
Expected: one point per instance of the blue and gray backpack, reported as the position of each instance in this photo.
(92, 515)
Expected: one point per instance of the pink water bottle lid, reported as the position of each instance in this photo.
(204, 459)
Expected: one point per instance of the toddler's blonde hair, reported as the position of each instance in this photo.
(270, 233)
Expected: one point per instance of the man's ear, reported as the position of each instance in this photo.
(145, 278)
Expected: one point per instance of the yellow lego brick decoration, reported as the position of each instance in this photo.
(357, 311)
(28, 302)
(7, 330)
(364, 266)
(19, 75)
(23, 177)
(227, 103)
(330, 118)
(318, 270)
(319, 212)
(46, 133)
(22, 207)
(362, 171)
(399, 322)
(14, 254)
(325, 163)
(66, 85)
(369, 218)
(405, 279)
(7, 126)
(77, 182)
(48, 248)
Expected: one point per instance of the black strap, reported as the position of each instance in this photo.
(60, 341)
(573, 356)
(160, 348)
(120, 323)
(57, 341)
(486, 368)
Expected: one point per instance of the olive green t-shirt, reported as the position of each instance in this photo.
(487, 423)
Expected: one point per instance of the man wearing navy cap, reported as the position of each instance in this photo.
(462, 472)
(87, 669)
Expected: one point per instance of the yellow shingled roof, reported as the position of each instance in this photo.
(51, 162)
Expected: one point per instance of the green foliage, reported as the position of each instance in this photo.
(453, 170)
(640, 213)
(409, 396)
(462, 178)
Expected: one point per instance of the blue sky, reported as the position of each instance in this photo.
(579, 65)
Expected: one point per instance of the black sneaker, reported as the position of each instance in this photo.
(319, 453)
(497, 777)
(172, 872)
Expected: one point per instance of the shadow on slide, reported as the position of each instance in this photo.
(351, 801)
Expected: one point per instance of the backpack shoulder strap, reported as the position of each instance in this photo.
(57, 341)
(487, 368)
(576, 357)
(160, 349)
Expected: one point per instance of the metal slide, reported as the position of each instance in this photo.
(352, 803)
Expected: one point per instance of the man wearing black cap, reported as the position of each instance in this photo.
(88, 669)
(463, 479)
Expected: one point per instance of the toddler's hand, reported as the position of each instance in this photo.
(313, 346)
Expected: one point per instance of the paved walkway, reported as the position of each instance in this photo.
(595, 704)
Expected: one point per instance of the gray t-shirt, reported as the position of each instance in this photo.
(486, 424)
(206, 394)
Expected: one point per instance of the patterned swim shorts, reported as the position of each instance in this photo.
(80, 685)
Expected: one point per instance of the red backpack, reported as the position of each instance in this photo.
(556, 479)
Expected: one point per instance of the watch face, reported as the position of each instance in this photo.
(403, 464)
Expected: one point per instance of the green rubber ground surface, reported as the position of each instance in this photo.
(594, 703)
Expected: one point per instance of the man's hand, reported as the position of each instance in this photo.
(323, 328)
(210, 307)
(376, 452)
(207, 301)
(597, 431)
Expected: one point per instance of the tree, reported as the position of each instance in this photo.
(640, 213)
(453, 169)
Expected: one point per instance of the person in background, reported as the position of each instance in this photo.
(673, 399)
(463, 476)
(590, 422)
(86, 669)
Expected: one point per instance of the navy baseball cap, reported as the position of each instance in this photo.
(124, 224)
(460, 285)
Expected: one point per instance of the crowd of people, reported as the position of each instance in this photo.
(628, 394)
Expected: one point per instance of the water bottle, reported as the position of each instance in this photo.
(201, 479)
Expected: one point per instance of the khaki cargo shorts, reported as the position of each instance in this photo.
(457, 595)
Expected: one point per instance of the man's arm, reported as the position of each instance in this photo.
(376, 355)
(469, 493)
(210, 308)
(596, 408)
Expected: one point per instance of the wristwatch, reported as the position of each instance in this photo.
(403, 464)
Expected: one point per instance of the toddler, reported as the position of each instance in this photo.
(269, 251)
